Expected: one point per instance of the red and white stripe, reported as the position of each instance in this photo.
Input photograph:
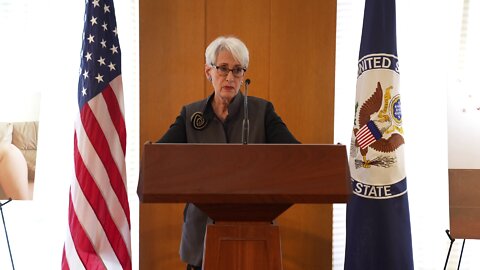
(99, 215)
(364, 137)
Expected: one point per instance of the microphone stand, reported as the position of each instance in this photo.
(245, 123)
(5, 228)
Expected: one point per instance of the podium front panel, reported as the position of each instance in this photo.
(236, 173)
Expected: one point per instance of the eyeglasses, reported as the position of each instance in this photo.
(224, 70)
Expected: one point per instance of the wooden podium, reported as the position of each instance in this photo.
(243, 188)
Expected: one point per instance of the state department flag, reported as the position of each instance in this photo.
(378, 221)
(98, 216)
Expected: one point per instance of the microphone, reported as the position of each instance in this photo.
(246, 123)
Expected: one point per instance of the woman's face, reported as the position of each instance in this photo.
(226, 85)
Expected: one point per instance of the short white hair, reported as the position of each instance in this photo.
(228, 43)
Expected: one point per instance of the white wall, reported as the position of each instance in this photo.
(19, 106)
(464, 95)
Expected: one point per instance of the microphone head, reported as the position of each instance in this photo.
(247, 81)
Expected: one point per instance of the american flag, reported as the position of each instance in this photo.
(368, 134)
(98, 214)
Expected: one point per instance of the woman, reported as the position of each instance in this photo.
(218, 119)
(13, 173)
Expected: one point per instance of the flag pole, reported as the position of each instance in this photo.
(5, 228)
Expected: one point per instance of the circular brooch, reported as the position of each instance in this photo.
(198, 121)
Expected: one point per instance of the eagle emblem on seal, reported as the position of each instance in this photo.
(379, 128)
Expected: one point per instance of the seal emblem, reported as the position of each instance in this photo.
(379, 128)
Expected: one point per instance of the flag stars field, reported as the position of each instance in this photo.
(88, 56)
(91, 38)
(101, 61)
(93, 20)
(114, 49)
(99, 78)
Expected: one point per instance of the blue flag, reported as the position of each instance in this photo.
(378, 219)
